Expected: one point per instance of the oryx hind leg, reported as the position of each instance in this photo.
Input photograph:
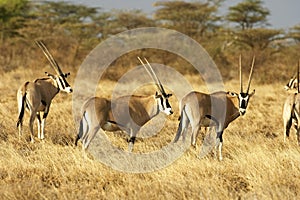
(31, 121)
(39, 122)
(182, 128)
(87, 138)
(219, 144)
(131, 140)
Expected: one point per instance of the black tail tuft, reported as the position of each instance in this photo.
(21, 114)
(80, 132)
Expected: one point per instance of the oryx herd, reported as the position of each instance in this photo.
(216, 110)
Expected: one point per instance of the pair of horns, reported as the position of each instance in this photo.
(250, 75)
(50, 58)
(152, 74)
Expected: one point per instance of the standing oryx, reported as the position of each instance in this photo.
(37, 96)
(129, 113)
(218, 109)
(291, 111)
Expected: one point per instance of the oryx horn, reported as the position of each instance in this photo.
(153, 76)
(250, 75)
(50, 58)
(240, 67)
(298, 90)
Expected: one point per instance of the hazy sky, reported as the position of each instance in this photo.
(284, 13)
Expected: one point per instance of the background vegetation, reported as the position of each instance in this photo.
(74, 30)
(257, 164)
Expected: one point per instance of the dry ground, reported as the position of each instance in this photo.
(257, 164)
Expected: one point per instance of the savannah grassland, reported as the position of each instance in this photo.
(257, 163)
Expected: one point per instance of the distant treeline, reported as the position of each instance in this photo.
(72, 31)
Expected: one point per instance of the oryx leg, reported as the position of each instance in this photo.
(38, 116)
(131, 140)
(195, 131)
(219, 144)
(31, 121)
(182, 128)
(87, 138)
(44, 122)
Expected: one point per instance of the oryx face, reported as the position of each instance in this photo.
(243, 101)
(163, 103)
(61, 82)
(292, 84)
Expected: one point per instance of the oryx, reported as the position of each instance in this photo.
(218, 109)
(291, 112)
(37, 96)
(128, 113)
(292, 84)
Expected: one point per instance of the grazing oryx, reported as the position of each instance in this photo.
(291, 112)
(217, 109)
(37, 96)
(129, 113)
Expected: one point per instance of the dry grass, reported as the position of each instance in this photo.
(257, 164)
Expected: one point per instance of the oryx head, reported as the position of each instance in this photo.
(243, 96)
(293, 82)
(60, 77)
(161, 96)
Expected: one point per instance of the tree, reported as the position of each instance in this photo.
(191, 18)
(12, 14)
(295, 33)
(125, 20)
(248, 14)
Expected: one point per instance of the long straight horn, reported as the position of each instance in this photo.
(157, 79)
(240, 68)
(50, 58)
(250, 76)
(298, 76)
(154, 78)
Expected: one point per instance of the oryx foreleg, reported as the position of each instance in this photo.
(132, 139)
(219, 143)
(195, 131)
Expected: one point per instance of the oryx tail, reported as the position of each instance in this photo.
(81, 128)
(22, 105)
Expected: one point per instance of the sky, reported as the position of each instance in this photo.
(283, 13)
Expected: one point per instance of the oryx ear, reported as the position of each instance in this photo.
(67, 74)
(233, 94)
(157, 95)
(252, 93)
(50, 75)
(169, 95)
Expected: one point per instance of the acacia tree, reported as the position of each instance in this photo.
(295, 33)
(248, 14)
(12, 14)
(251, 32)
(191, 18)
(120, 20)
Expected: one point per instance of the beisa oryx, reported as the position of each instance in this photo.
(217, 109)
(292, 84)
(36, 96)
(291, 111)
(128, 113)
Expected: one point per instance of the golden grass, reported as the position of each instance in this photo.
(257, 164)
